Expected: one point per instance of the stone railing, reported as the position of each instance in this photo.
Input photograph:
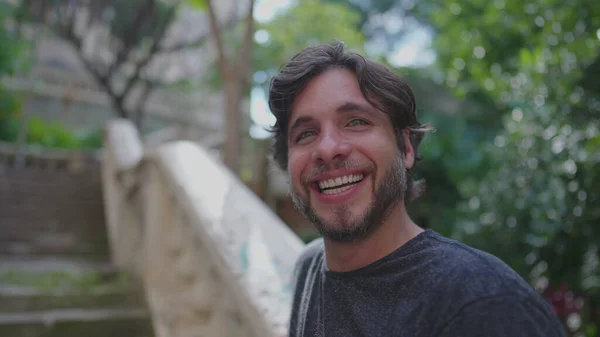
(214, 260)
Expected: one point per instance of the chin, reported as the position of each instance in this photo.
(340, 227)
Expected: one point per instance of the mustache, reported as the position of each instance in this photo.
(344, 165)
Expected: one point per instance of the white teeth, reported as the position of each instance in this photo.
(332, 183)
(337, 190)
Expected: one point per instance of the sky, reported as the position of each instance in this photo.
(265, 10)
(412, 52)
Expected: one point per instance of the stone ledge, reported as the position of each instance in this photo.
(77, 323)
(65, 315)
(27, 299)
(72, 160)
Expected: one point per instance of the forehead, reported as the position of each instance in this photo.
(326, 92)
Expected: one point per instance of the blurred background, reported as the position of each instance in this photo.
(512, 87)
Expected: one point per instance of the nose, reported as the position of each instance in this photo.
(331, 148)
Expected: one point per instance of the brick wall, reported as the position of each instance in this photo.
(51, 204)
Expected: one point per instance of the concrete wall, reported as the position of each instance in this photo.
(52, 204)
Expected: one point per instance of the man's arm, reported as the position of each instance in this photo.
(504, 316)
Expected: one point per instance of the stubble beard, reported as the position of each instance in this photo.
(346, 228)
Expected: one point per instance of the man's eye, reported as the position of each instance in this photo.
(304, 134)
(357, 122)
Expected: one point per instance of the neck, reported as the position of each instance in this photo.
(396, 230)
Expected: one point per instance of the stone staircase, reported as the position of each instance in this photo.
(55, 275)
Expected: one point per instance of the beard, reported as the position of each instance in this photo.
(348, 228)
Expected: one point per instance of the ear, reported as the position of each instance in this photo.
(409, 152)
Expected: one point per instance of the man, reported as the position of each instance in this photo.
(347, 134)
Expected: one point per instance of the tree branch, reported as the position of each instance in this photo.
(200, 40)
(160, 33)
(185, 45)
(68, 34)
(244, 61)
(20, 14)
(63, 27)
(138, 111)
(131, 36)
(216, 34)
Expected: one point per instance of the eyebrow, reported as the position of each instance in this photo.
(298, 123)
(354, 106)
(344, 108)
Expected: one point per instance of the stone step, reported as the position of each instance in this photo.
(23, 299)
(53, 283)
(47, 263)
(124, 322)
(65, 245)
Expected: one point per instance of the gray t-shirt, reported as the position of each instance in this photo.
(430, 287)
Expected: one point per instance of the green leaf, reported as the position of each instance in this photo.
(526, 57)
(201, 5)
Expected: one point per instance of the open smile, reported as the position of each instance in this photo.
(338, 189)
(339, 184)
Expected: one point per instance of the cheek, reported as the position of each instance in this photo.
(377, 144)
(381, 151)
(298, 163)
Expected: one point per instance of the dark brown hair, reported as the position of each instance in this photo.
(380, 86)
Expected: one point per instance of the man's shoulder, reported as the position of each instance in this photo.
(469, 264)
(471, 274)
(455, 278)
(311, 253)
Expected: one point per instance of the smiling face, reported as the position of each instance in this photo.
(344, 165)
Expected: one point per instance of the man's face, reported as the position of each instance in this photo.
(344, 166)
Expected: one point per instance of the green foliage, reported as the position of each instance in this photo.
(11, 46)
(11, 60)
(92, 139)
(199, 4)
(149, 16)
(307, 22)
(499, 39)
(451, 155)
(9, 129)
(536, 205)
(544, 141)
(366, 8)
(47, 134)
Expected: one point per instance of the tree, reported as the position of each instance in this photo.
(536, 205)
(137, 36)
(235, 75)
